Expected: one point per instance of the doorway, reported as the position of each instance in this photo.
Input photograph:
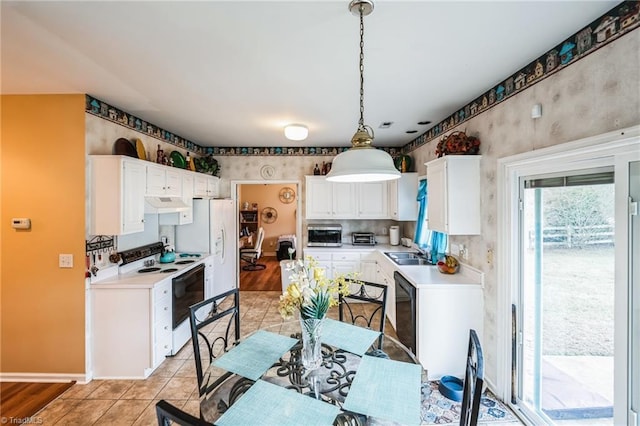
(550, 288)
(273, 209)
(567, 287)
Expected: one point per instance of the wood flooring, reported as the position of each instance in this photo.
(21, 400)
(267, 279)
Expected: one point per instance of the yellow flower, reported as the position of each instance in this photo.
(310, 291)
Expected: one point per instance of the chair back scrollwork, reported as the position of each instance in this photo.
(215, 329)
(365, 306)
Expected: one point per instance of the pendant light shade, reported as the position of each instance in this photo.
(362, 162)
(362, 165)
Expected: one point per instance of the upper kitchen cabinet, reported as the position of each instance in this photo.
(163, 181)
(402, 197)
(373, 200)
(118, 185)
(205, 186)
(338, 200)
(453, 194)
(319, 200)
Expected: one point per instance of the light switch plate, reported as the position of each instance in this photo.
(65, 260)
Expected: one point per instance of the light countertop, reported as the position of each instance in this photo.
(136, 280)
(418, 275)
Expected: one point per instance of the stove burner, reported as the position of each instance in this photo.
(168, 270)
(145, 270)
(184, 262)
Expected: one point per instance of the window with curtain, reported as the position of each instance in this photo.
(433, 242)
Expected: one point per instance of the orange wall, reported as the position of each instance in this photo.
(42, 178)
(266, 195)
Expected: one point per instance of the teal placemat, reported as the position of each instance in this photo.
(268, 404)
(386, 389)
(346, 336)
(256, 354)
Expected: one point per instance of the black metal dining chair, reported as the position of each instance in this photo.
(353, 307)
(215, 328)
(473, 382)
(169, 414)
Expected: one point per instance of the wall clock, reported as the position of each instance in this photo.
(267, 172)
(287, 195)
(269, 215)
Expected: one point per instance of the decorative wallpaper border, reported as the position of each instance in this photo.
(620, 20)
(108, 112)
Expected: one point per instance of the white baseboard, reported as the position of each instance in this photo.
(45, 377)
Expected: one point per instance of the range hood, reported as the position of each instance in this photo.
(164, 205)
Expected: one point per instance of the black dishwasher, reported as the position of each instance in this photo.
(405, 311)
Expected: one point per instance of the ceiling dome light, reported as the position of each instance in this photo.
(362, 162)
(296, 132)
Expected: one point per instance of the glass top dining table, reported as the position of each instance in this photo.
(329, 384)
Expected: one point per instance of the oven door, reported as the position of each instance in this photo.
(188, 289)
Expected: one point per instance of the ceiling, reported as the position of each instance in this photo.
(233, 73)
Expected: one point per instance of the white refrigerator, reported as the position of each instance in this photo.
(213, 231)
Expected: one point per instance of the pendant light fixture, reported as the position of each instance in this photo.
(362, 162)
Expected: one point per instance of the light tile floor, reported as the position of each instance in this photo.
(132, 402)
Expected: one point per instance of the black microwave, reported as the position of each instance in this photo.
(324, 235)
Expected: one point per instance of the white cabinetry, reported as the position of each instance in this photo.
(372, 200)
(344, 263)
(338, 200)
(163, 181)
(365, 262)
(343, 199)
(382, 277)
(205, 186)
(320, 203)
(135, 341)
(117, 195)
(453, 194)
(402, 197)
(186, 216)
(444, 315)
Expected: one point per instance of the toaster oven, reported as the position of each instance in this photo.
(363, 239)
(324, 235)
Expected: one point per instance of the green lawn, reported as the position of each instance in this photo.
(578, 288)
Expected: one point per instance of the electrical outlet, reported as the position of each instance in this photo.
(463, 252)
(65, 261)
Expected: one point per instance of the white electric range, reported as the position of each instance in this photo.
(186, 281)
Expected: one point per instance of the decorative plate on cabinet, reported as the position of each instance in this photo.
(178, 160)
(124, 146)
(142, 152)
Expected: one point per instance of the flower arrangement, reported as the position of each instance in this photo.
(311, 292)
(458, 143)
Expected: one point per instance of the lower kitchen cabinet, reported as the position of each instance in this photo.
(364, 261)
(131, 330)
(444, 315)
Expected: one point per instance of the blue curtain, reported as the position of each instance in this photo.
(422, 236)
(432, 242)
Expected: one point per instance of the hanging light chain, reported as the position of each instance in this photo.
(361, 122)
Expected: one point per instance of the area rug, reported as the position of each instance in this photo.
(437, 409)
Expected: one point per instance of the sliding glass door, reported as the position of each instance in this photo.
(567, 286)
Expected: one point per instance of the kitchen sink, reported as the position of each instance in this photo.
(414, 261)
(407, 258)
